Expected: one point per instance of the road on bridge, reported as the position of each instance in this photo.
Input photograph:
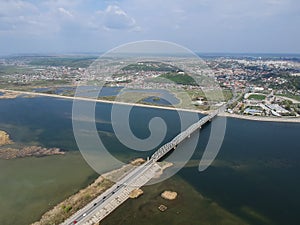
(103, 205)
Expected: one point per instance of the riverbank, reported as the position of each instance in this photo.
(256, 118)
(34, 185)
(17, 93)
(8, 95)
(263, 118)
(66, 208)
(71, 205)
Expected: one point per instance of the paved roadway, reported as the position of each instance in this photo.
(98, 209)
(103, 205)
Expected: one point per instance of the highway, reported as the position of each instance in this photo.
(103, 205)
(114, 196)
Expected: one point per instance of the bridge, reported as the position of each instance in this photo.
(162, 151)
(108, 201)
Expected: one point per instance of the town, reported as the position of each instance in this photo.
(269, 86)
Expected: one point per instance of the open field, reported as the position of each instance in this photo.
(256, 97)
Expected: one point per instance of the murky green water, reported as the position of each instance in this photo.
(190, 207)
(255, 179)
(30, 186)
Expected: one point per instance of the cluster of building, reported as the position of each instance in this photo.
(260, 75)
(266, 105)
(267, 73)
(30, 74)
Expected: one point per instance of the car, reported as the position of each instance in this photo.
(95, 203)
(75, 221)
(104, 197)
(84, 214)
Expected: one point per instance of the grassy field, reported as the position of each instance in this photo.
(81, 62)
(150, 66)
(296, 97)
(179, 78)
(186, 97)
(131, 96)
(213, 95)
(35, 84)
(257, 97)
(5, 70)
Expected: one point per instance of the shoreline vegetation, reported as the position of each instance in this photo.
(75, 202)
(8, 151)
(30, 151)
(9, 94)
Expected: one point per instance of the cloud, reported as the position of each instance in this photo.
(18, 17)
(206, 25)
(16, 8)
(65, 12)
(44, 18)
(116, 18)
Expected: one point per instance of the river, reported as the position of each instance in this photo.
(254, 180)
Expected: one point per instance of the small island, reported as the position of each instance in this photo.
(169, 195)
(37, 151)
(162, 208)
(10, 151)
(77, 201)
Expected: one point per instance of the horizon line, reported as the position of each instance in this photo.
(103, 52)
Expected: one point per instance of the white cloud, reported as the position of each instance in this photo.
(44, 18)
(65, 12)
(194, 23)
(116, 18)
(18, 16)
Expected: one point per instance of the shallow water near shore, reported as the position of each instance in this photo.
(30, 186)
(255, 179)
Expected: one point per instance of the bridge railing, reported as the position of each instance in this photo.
(183, 135)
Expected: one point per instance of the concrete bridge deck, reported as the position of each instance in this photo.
(107, 202)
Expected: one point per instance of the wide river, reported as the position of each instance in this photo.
(254, 180)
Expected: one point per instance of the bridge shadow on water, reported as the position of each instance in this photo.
(204, 131)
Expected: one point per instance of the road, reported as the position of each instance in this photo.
(104, 204)
(100, 207)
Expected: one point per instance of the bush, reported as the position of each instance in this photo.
(66, 208)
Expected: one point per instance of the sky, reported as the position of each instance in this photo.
(210, 26)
